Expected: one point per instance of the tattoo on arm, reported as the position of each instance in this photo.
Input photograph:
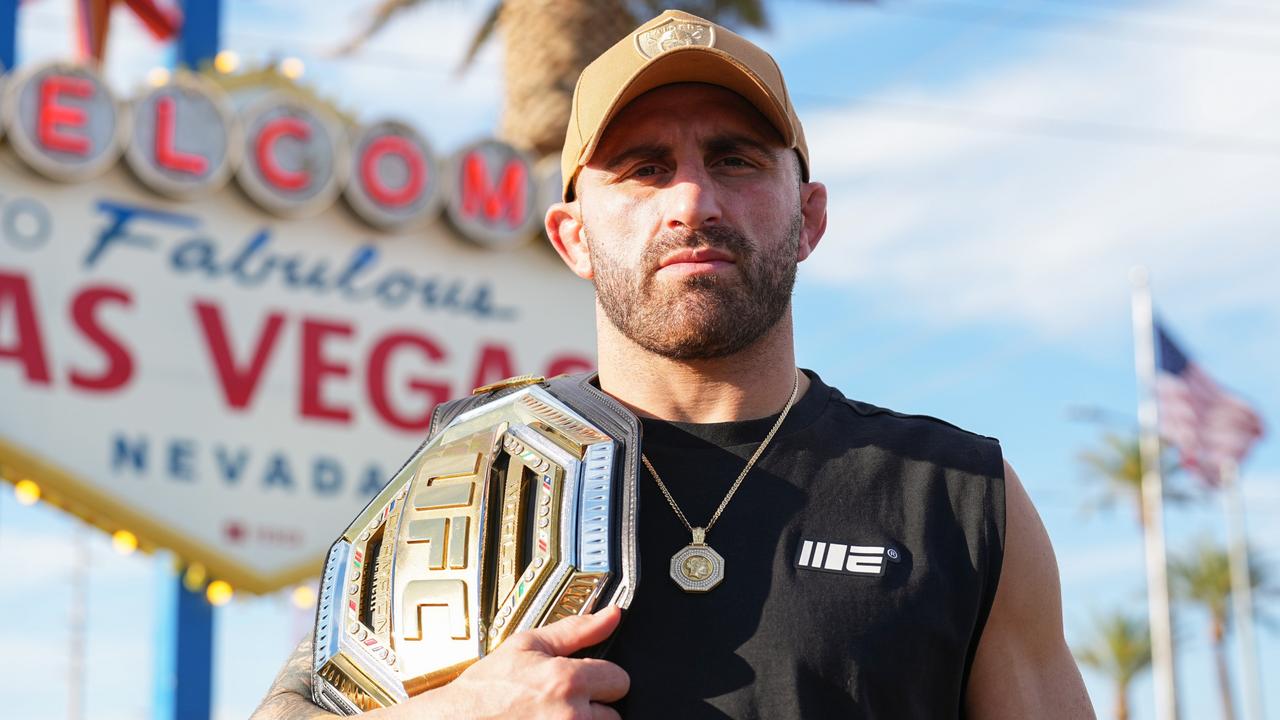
(290, 695)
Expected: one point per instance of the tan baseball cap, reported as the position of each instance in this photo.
(674, 47)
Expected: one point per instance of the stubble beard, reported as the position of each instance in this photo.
(699, 317)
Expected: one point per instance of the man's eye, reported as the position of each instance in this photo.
(735, 161)
(647, 171)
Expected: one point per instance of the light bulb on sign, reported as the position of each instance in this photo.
(303, 597)
(193, 579)
(27, 492)
(292, 68)
(124, 542)
(219, 592)
(158, 76)
(226, 62)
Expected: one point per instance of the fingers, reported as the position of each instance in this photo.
(606, 681)
(603, 712)
(567, 636)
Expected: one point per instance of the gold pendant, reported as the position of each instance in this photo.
(696, 568)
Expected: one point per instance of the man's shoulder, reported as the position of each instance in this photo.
(917, 436)
(911, 422)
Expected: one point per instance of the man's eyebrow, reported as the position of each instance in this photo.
(643, 151)
(737, 143)
(723, 143)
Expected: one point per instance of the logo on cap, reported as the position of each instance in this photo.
(674, 34)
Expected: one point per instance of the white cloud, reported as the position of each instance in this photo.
(952, 198)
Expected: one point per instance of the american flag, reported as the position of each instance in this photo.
(1203, 420)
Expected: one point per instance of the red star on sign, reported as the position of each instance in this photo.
(234, 531)
(95, 20)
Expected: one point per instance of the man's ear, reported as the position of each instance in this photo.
(565, 230)
(813, 211)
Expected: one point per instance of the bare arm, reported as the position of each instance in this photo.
(290, 694)
(1023, 667)
(528, 676)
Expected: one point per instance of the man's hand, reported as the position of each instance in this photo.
(529, 676)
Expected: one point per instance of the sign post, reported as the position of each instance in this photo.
(184, 648)
(198, 36)
(193, 653)
(198, 43)
(8, 33)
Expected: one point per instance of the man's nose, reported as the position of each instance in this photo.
(692, 200)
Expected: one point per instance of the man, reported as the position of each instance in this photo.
(866, 563)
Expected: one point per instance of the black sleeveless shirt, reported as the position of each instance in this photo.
(861, 558)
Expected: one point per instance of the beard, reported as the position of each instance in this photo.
(698, 317)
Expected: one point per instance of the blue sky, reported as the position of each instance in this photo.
(994, 173)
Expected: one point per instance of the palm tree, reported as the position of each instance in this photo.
(1203, 577)
(1117, 462)
(547, 43)
(1120, 649)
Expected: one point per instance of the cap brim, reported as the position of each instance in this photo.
(695, 64)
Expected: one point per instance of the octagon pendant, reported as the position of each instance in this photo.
(696, 568)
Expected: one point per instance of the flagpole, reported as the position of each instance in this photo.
(78, 620)
(1153, 501)
(1241, 588)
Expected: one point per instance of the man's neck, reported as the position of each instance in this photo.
(752, 383)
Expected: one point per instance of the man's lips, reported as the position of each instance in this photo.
(695, 260)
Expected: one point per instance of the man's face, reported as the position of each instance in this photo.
(691, 211)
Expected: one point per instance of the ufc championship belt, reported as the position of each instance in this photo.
(517, 511)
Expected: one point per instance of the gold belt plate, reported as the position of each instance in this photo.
(502, 522)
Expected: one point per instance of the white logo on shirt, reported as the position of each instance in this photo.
(843, 558)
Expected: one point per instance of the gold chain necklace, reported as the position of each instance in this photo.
(697, 568)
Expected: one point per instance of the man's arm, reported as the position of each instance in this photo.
(290, 694)
(529, 676)
(1023, 667)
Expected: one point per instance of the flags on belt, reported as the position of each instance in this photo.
(1205, 422)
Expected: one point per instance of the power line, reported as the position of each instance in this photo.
(1051, 127)
(368, 55)
(1105, 9)
(950, 116)
(1063, 129)
(1033, 21)
(1264, 7)
(280, 45)
(1018, 19)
